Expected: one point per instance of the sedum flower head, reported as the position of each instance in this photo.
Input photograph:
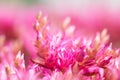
(63, 56)
(12, 65)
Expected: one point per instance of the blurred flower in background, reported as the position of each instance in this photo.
(69, 45)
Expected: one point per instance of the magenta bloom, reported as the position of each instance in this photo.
(63, 56)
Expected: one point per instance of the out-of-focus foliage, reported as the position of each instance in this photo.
(25, 2)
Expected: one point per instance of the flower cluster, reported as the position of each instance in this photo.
(61, 55)
(12, 65)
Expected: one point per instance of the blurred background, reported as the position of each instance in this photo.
(17, 18)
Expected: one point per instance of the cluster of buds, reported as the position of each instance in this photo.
(62, 56)
(12, 61)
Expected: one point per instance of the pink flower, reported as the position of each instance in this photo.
(65, 55)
